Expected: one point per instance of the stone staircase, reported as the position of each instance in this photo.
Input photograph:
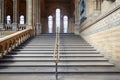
(33, 60)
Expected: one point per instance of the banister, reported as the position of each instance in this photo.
(9, 42)
(56, 55)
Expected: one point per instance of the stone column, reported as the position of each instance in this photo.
(0, 11)
(71, 24)
(29, 14)
(106, 5)
(1, 14)
(61, 25)
(77, 17)
(38, 25)
(15, 15)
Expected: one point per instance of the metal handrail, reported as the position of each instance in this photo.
(56, 55)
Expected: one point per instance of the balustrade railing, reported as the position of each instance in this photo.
(9, 42)
(5, 33)
(8, 27)
(56, 55)
(21, 27)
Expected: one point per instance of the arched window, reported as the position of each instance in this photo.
(50, 24)
(21, 19)
(8, 19)
(57, 20)
(65, 18)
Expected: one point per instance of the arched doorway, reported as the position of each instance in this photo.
(50, 24)
(58, 20)
(65, 24)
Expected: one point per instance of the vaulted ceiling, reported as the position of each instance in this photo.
(48, 7)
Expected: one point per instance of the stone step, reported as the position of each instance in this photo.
(51, 55)
(45, 46)
(29, 70)
(86, 76)
(27, 49)
(52, 47)
(77, 57)
(48, 59)
(51, 52)
(54, 39)
(62, 42)
(52, 64)
(37, 44)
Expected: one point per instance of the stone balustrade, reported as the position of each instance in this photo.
(11, 41)
(8, 27)
(21, 27)
(5, 33)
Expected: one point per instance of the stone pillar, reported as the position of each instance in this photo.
(15, 15)
(61, 25)
(106, 5)
(29, 14)
(77, 17)
(38, 25)
(71, 24)
(1, 14)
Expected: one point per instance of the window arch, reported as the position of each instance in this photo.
(50, 24)
(21, 19)
(8, 19)
(65, 19)
(57, 20)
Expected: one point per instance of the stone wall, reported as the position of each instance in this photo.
(104, 34)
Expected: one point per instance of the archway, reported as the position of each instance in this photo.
(50, 24)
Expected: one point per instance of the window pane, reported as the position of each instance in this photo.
(50, 24)
(21, 19)
(8, 19)
(57, 20)
(65, 24)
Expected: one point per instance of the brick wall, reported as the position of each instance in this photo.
(104, 35)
